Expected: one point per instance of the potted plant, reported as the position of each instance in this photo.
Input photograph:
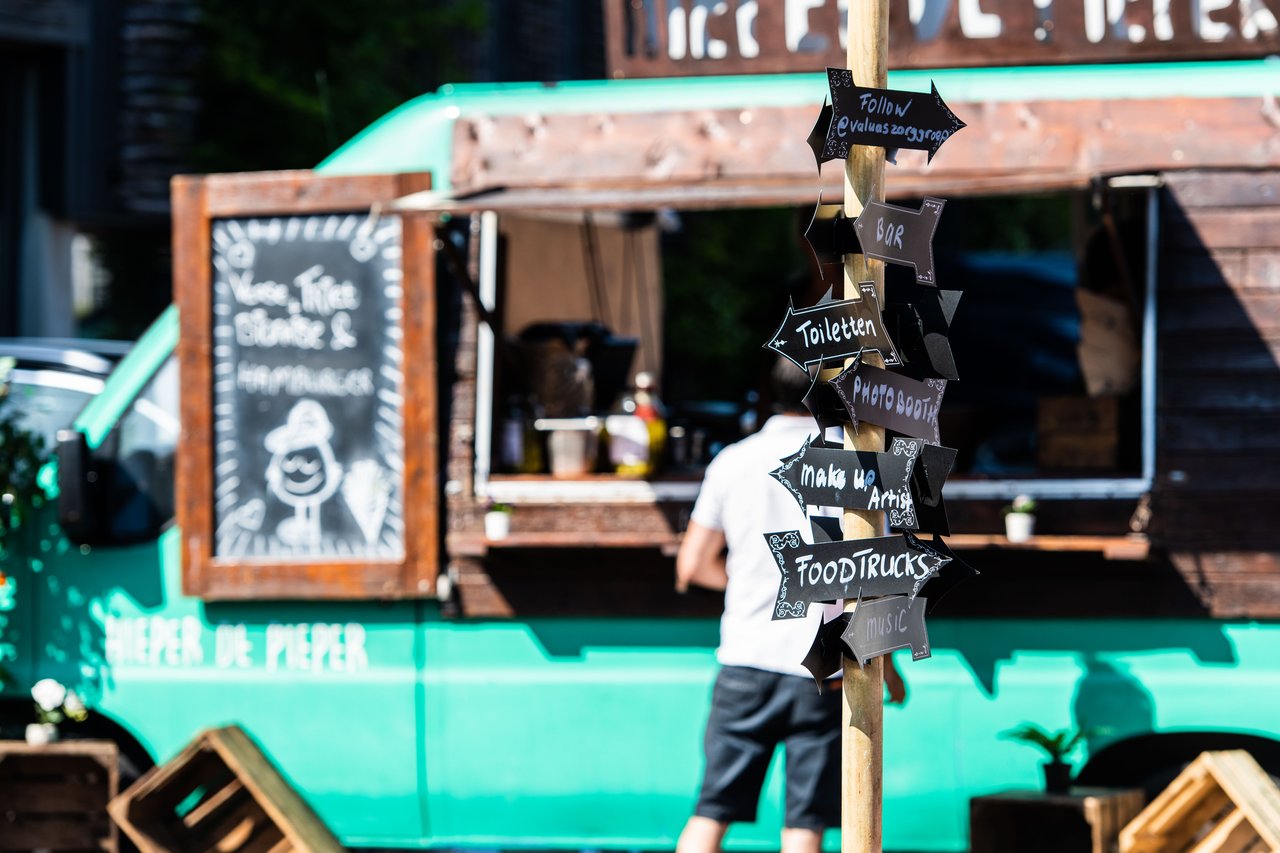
(54, 703)
(1020, 519)
(1057, 772)
(497, 521)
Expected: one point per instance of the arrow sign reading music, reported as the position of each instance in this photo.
(833, 330)
(885, 565)
(900, 235)
(854, 479)
(889, 400)
(884, 117)
(881, 625)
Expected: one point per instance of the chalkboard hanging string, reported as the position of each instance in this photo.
(592, 262)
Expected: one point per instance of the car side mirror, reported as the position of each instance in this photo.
(78, 482)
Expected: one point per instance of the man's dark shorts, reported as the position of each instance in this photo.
(751, 712)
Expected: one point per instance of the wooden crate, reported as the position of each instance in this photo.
(54, 796)
(1223, 802)
(1084, 820)
(219, 793)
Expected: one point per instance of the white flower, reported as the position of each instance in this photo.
(49, 694)
(74, 706)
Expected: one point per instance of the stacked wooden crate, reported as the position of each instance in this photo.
(54, 796)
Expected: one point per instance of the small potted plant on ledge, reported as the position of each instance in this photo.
(497, 521)
(1020, 519)
(54, 703)
(1057, 772)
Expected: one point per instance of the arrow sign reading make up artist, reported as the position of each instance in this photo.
(834, 330)
(889, 400)
(882, 625)
(888, 118)
(854, 479)
(900, 235)
(812, 574)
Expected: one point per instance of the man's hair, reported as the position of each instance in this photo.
(788, 384)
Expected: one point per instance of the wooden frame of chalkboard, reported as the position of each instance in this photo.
(308, 463)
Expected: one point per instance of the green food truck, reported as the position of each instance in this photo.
(424, 684)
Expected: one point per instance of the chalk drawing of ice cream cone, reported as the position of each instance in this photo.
(303, 471)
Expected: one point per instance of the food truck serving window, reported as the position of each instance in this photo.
(1051, 337)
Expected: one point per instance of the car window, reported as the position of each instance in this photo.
(140, 485)
(46, 400)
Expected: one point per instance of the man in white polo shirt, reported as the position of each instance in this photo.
(763, 696)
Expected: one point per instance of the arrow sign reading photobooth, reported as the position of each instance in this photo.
(900, 235)
(811, 574)
(919, 320)
(889, 400)
(882, 625)
(833, 330)
(854, 479)
(885, 117)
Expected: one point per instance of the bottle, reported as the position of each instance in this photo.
(637, 430)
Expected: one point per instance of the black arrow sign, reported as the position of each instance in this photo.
(928, 476)
(826, 655)
(919, 320)
(900, 235)
(854, 479)
(885, 117)
(833, 330)
(830, 235)
(882, 625)
(811, 574)
(887, 399)
(826, 528)
(822, 402)
(958, 571)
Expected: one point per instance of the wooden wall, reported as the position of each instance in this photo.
(1216, 501)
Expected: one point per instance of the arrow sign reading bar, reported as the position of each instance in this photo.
(854, 479)
(884, 565)
(882, 625)
(885, 117)
(919, 319)
(833, 330)
(889, 400)
(900, 235)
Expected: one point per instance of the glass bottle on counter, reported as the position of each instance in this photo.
(637, 430)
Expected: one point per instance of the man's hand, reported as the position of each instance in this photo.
(893, 681)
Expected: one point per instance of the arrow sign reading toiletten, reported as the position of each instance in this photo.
(812, 574)
(882, 625)
(886, 399)
(833, 330)
(854, 479)
(900, 235)
(885, 117)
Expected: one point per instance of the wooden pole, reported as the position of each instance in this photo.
(863, 714)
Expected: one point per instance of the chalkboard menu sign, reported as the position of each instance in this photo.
(308, 460)
(307, 393)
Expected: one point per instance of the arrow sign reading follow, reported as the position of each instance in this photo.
(889, 400)
(834, 330)
(885, 565)
(882, 625)
(900, 235)
(854, 479)
(888, 118)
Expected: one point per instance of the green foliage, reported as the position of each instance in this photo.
(1056, 745)
(282, 84)
(22, 453)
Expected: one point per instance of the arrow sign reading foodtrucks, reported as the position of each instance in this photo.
(882, 625)
(888, 118)
(854, 479)
(834, 330)
(817, 573)
(900, 235)
(886, 399)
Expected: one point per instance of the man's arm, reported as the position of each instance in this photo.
(700, 559)
(893, 681)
